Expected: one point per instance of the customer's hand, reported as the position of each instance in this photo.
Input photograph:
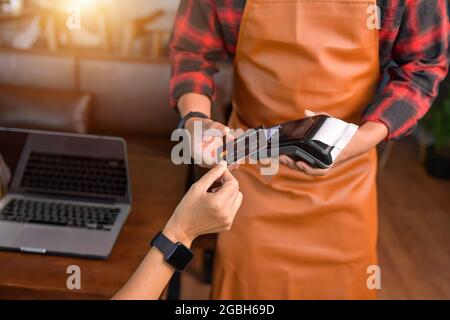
(201, 212)
(204, 147)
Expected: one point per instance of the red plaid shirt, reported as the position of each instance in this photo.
(414, 39)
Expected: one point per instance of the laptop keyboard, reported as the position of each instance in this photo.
(75, 174)
(60, 214)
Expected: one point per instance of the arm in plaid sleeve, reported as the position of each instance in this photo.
(421, 56)
(195, 46)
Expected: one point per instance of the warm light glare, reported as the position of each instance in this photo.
(82, 4)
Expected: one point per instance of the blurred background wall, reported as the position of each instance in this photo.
(127, 10)
(130, 28)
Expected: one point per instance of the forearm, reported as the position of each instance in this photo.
(153, 274)
(194, 102)
(149, 280)
(369, 135)
(198, 213)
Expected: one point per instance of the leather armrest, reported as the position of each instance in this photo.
(43, 109)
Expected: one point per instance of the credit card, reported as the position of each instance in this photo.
(246, 145)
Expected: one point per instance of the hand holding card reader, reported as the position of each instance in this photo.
(317, 140)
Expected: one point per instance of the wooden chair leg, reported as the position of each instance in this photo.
(423, 145)
(128, 40)
(208, 259)
(51, 34)
(104, 33)
(386, 154)
(155, 43)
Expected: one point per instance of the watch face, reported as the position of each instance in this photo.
(180, 257)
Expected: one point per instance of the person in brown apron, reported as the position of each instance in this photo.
(302, 233)
(298, 236)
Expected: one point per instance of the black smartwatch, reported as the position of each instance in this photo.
(175, 254)
(189, 116)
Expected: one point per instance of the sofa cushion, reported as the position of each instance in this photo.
(131, 96)
(44, 109)
(37, 69)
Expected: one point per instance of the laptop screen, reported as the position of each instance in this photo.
(64, 165)
(11, 146)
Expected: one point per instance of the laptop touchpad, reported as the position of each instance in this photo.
(41, 238)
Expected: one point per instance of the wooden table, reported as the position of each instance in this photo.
(157, 187)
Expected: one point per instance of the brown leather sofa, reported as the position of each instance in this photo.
(96, 95)
(106, 96)
(130, 97)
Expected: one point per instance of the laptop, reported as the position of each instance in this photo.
(62, 194)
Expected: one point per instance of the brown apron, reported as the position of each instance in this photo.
(297, 236)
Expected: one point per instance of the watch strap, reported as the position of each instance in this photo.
(190, 115)
(175, 254)
(163, 244)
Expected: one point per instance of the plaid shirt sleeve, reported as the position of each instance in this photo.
(420, 56)
(195, 47)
